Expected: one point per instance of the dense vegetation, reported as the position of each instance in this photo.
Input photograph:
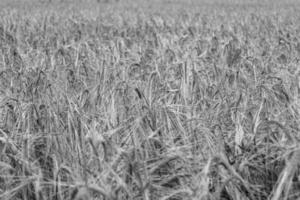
(149, 101)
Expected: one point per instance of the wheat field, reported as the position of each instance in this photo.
(149, 100)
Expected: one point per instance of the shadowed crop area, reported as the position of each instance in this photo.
(146, 100)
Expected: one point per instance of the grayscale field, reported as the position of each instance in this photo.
(149, 100)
